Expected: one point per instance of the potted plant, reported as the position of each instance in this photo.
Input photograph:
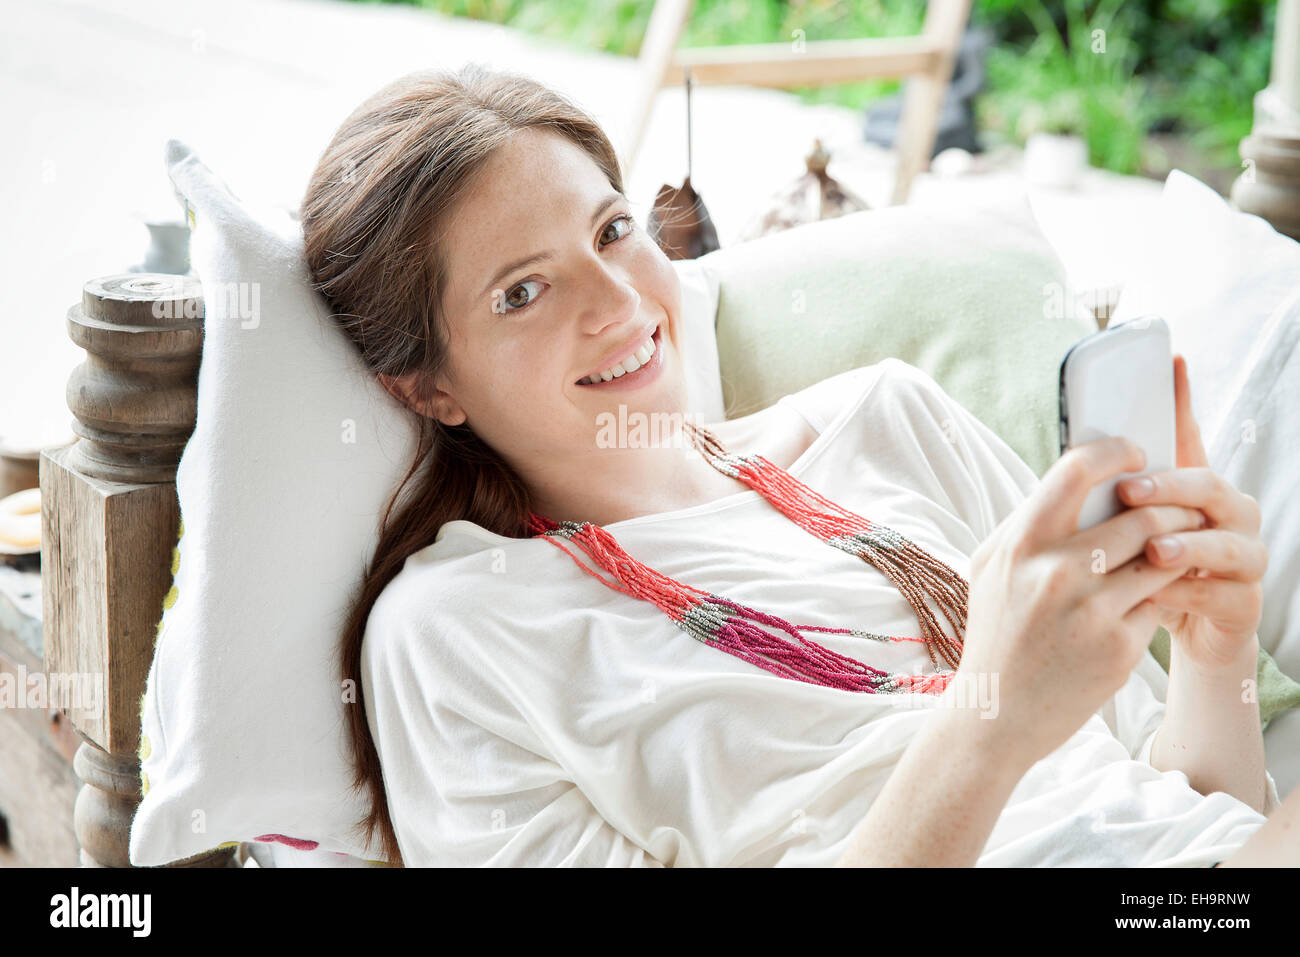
(1072, 84)
(1056, 153)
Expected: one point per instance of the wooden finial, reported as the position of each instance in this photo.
(134, 398)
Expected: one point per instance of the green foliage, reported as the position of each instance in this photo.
(617, 26)
(1187, 65)
(1077, 80)
(1195, 64)
(1214, 55)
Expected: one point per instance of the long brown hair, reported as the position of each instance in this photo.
(371, 221)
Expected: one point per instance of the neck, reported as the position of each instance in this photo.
(614, 485)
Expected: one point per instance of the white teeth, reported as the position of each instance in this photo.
(633, 362)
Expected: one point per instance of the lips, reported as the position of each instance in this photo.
(620, 359)
(643, 376)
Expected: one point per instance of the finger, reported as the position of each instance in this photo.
(1125, 536)
(1051, 512)
(1122, 589)
(1216, 598)
(1143, 619)
(1190, 450)
(1226, 554)
(1195, 487)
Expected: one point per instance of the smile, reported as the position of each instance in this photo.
(640, 367)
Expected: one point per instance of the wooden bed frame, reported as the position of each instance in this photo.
(110, 512)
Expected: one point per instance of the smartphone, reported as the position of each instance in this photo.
(1120, 381)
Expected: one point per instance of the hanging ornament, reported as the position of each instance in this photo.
(813, 196)
(679, 221)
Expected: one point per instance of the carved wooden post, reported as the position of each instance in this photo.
(110, 521)
(1270, 186)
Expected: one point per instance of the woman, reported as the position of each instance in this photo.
(527, 706)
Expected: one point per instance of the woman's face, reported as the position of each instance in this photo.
(523, 334)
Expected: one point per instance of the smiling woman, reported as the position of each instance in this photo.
(472, 236)
(549, 282)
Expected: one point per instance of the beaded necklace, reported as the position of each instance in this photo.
(738, 629)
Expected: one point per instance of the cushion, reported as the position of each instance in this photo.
(975, 296)
(242, 714)
(1218, 277)
(1255, 450)
(295, 452)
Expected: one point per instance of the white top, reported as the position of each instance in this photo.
(526, 714)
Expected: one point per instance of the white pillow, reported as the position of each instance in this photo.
(295, 452)
(1217, 276)
(1258, 451)
(700, 341)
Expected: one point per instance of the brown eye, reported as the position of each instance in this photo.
(627, 222)
(516, 299)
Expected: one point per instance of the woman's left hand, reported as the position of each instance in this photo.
(1212, 612)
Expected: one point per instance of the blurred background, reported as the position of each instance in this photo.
(1085, 106)
(1174, 89)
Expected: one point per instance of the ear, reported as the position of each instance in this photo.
(442, 406)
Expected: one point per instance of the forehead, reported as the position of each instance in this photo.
(535, 183)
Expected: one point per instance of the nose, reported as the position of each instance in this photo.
(609, 298)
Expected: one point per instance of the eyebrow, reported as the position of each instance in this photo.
(505, 271)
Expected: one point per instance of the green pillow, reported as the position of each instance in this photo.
(974, 296)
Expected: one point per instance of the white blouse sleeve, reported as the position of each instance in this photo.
(467, 781)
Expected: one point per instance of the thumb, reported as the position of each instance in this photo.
(1190, 449)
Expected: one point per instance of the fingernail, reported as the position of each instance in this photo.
(1139, 488)
(1167, 547)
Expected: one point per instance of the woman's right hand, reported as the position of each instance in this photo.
(1061, 624)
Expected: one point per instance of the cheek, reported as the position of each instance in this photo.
(491, 376)
(656, 279)
(523, 378)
